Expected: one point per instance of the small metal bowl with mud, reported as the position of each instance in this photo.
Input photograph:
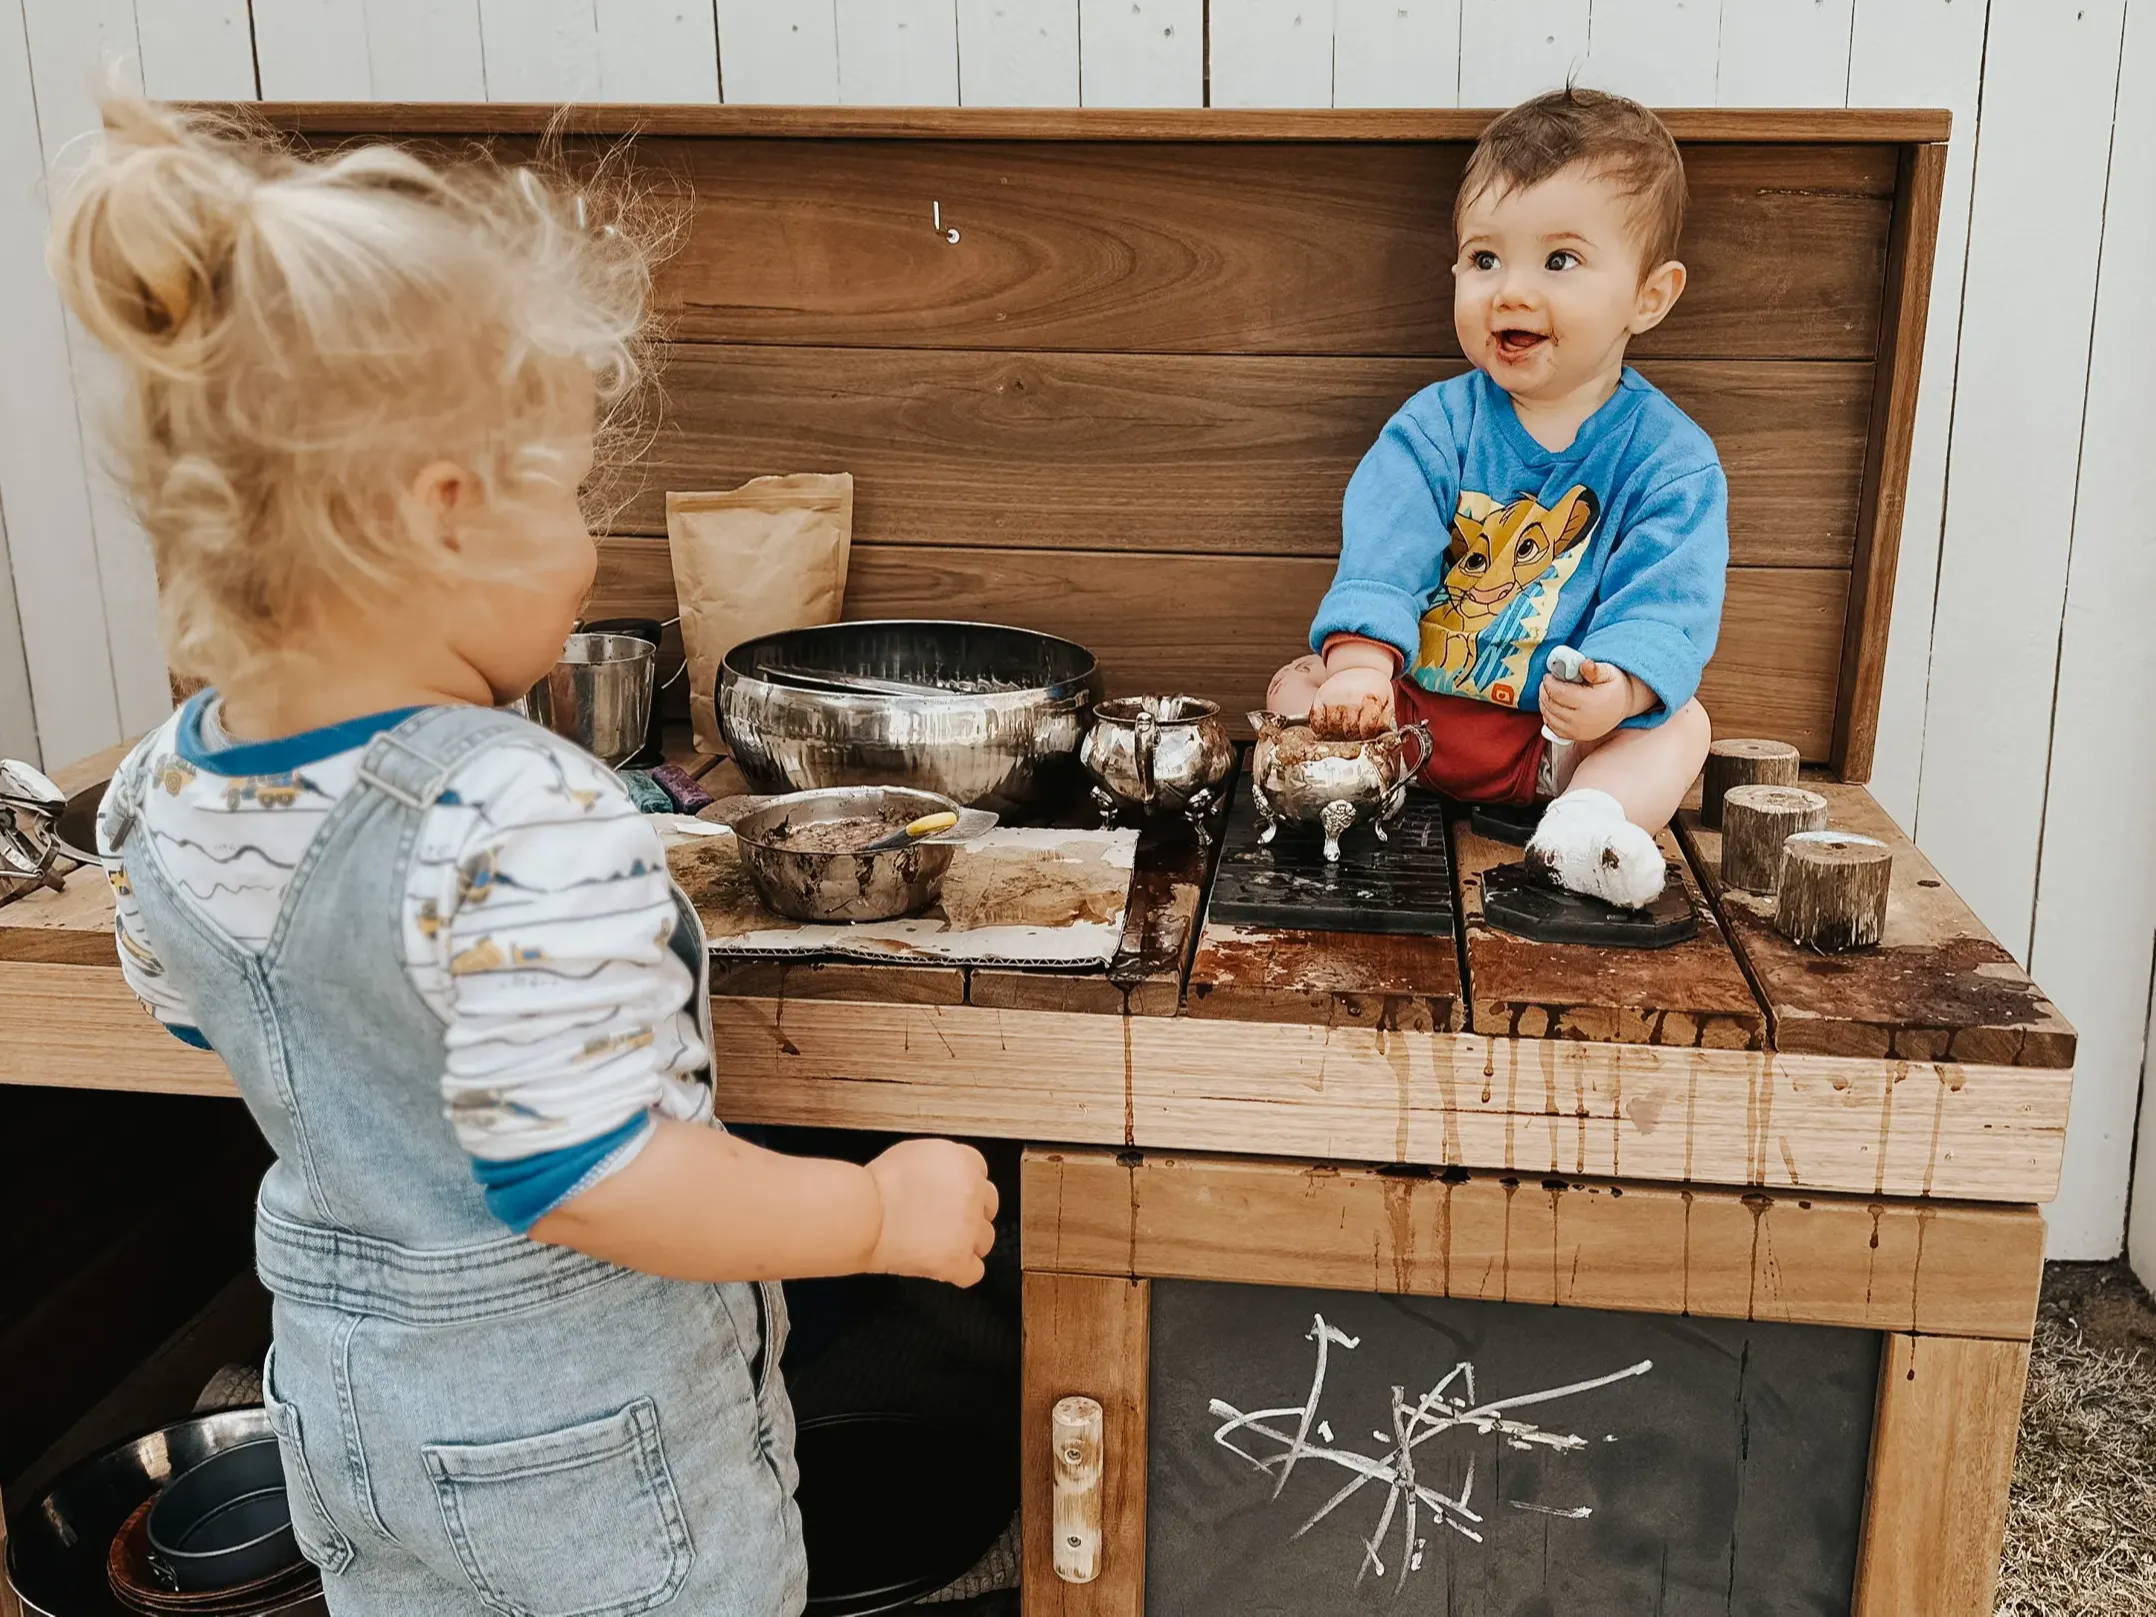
(807, 853)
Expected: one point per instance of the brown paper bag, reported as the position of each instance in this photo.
(765, 557)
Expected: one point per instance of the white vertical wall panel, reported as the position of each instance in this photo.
(1272, 53)
(2096, 885)
(199, 50)
(1662, 52)
(1786, 53)
(657, 50)
(1396, 53)
(540, 50)
(1018, 53)
(18, 723)
(1922, 53)
(1141, 53)
(2049, 77)
(898, 53)
(76, 47)
(312, 50)
(1513, 49)
(426, 50)
(783, 52)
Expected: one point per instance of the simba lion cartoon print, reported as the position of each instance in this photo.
(1505, 567)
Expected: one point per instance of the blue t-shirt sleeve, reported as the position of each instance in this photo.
(1395, 523)
(1659, 610)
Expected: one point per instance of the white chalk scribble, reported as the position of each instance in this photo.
(1411, 1495)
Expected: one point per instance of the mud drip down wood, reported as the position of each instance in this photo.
(1401, 886)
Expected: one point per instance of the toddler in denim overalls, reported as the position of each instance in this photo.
(527, 1329)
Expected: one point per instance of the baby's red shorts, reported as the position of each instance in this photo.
(1480, 752)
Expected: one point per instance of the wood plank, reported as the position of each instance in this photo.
(2050, 86)
(1692, 993)
(2096, 900)
(1270, 53)
(776, 50)
(1938, 988)
(1331, 979)
(1174, 247)
(1396, 53)
(1942, 1458)
(897, 53)
(1522, 48)
(1664, 53)
(1784, 53)
(1796, 1122)
(1142, 53)
(1886, 470)
(1018, 56)
(1798, 126)
(1087, 1336)
(1239, 453)
(1957, 1269)
(1224, 624)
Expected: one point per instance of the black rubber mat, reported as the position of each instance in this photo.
(1516, 900)
(1403, 887)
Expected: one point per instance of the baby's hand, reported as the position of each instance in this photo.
(1590, 709)
(939, 1211)
(1353, 705)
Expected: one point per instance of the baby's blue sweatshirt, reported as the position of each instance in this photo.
(1474, 552)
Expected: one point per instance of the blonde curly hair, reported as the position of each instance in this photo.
(301, 336)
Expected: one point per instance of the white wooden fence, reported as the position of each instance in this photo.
(2017, 738)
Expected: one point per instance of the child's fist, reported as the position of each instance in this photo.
(1353, 705)
(1590, 709)
(939, 1211)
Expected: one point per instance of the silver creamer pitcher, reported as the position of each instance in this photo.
(1158, 755)
(1297, 779)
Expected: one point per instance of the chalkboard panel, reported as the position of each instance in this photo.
(1557, 1462)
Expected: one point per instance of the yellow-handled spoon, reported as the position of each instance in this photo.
(926, 826)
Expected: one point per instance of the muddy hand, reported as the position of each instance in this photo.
(1353, 705)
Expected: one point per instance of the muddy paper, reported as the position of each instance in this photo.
(1013, 897)
(756, 560)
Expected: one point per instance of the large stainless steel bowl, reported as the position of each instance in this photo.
(989, 716)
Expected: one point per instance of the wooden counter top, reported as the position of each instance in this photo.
(1728, 1061)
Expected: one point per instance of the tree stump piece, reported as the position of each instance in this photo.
(1833, 893)
(1743, 763)
(1756, 821)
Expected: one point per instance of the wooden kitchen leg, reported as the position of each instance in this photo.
(9, 1605)
(1942, 1457)
(1086, 1336)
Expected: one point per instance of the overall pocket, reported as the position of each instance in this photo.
(583, 1522)
(318, 1538)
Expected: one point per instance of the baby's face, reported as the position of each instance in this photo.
(1549, 286)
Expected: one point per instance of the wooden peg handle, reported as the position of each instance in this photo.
(1833, 893)
(1737, 762)
(1756, 821)
(1076, 1427)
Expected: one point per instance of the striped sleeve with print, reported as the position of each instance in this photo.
(139, 965)
(538, 920)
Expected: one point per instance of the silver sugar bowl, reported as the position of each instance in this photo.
(1158, 755)
(1297, 779)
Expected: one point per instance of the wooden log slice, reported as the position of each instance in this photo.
(1737, 762)
(1833, 892)
(1756, 821)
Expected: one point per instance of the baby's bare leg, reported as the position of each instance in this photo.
(1295, 687)
(1648, 771)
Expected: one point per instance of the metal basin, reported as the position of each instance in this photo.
(57, 1546)
(809, 885)
(987, 716)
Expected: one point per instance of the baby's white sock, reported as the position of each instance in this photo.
(1586, 843)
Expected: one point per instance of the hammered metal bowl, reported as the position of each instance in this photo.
(987, 716)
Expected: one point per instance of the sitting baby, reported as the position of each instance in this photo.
(1550, 496)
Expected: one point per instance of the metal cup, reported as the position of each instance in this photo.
(598, 695)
